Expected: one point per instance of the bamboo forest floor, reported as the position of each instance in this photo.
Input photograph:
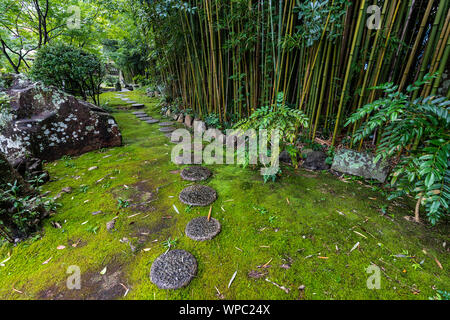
(296, 238)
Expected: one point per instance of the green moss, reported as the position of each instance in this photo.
(307, 221)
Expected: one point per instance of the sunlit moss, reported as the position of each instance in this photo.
(308, 222)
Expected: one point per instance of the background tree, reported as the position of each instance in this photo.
(70, 69)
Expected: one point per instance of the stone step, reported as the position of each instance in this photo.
(198, 196)
(202, 229)
(173, 269)
(167, 129)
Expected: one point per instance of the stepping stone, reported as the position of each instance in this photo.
(138, 105)
(173, 270)
(166, 124)
(196, 173)
(143, 114)
(200, 229)
(198, 195)
(138, 113)
(145, 118)
(152, 121)
(167, 129)
(131, 102)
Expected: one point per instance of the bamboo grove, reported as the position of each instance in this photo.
(228, 58)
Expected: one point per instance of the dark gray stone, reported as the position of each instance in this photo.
(146, 118)
(200, 229)
(198, 195)
(138, 105)
(173, 270)
(316, 161)
(285, 157)
(152, 121)
(167, 129)
(166, 124)
(196, 173)
(359, 164)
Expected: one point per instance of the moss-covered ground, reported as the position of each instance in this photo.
(298, 232)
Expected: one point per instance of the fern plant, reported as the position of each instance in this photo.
(417, 132)
(279, 117)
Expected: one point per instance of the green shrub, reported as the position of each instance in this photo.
(71, 69)
(418, 133)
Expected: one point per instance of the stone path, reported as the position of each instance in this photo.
(176, 268)
(145, 117)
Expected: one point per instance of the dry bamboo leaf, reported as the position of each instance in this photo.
(232, 279)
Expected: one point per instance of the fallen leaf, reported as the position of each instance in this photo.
(47, 261)
(60, 247)
(355, 246)
(103, 271)
(232, 279)
(277, 285)
(209, 214)
(256, 274)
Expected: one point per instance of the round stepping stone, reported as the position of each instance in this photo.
(138, 113)
(167, 129)
(131, 102)
(152, 121)
(200, 229)
(138, 105)
(166, 124)
(142, 115)
(173, 270)
(146, 118)
(196, 173)
(198, 195)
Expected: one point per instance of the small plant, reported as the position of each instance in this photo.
(84, 188)
(121, 203)
(188, 209)
(170, 243)
(293, 153)
(441, 295)
(272, 219)
(261, 210)
(212, 121)
(92, 229)
(330, 154)
(37, 180)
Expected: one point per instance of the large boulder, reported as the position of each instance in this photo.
(359, 164)
(46, 123)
